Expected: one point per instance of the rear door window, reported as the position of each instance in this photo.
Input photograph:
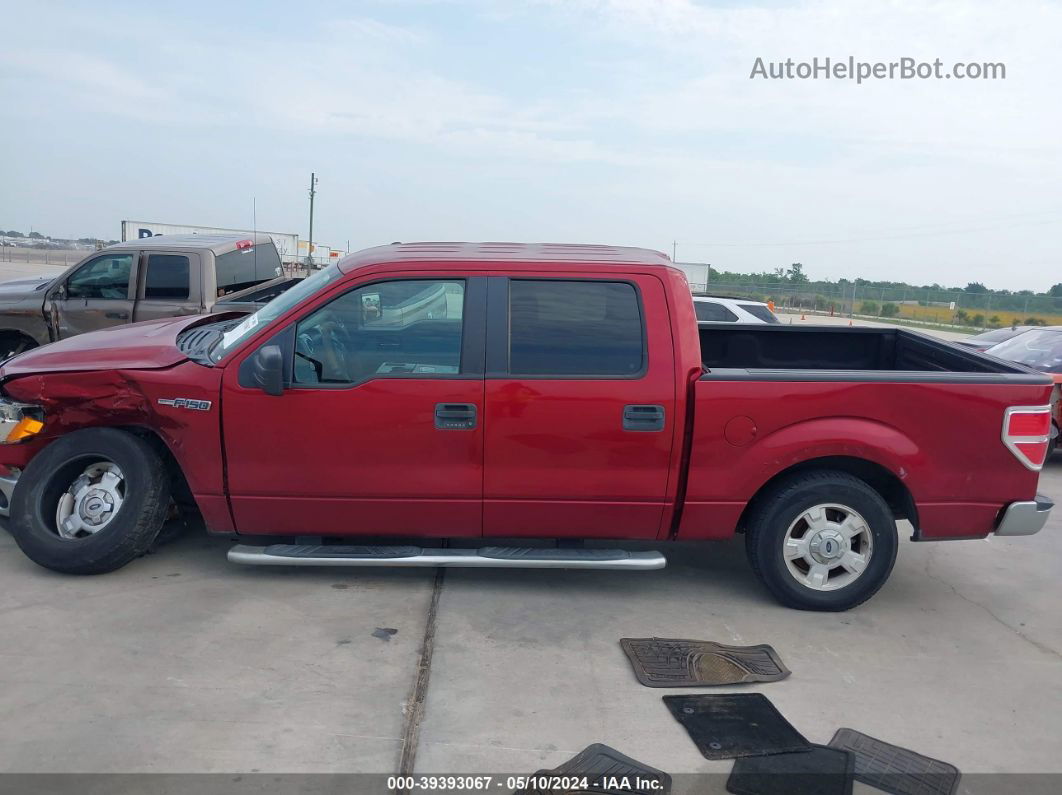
(713, 312)
(575, 328)
(168, 277)
(760, 312)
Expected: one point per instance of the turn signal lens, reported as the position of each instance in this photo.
(25, 428)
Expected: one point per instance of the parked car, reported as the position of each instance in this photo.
(716, 309)
(156, 277)
(984, 341)
(502, 391)
(1038, 347)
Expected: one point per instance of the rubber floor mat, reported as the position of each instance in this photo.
(668, 662)
(894, 769)
(600, 769)
(820, 771)
(735, 725)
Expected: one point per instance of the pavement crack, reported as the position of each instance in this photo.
(1031, 641)
(417, 696)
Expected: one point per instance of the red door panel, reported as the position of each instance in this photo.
(358, 461)
(360, 442)
(557, 459)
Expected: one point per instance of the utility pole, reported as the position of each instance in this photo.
(674, 250)
(309, 247)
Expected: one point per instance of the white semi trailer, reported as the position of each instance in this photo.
(287, 243)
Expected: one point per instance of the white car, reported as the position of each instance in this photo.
(712, 309)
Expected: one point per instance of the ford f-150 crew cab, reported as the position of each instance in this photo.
(145, 279)
(503, 391)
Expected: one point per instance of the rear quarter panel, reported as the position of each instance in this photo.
(942, 440)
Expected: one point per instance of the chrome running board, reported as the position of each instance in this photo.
(484, 557)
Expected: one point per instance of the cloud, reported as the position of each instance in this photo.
(640, 114)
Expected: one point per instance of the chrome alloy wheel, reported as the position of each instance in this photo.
(827, 547)
(91, 501)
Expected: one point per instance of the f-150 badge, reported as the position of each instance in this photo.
(186, 403)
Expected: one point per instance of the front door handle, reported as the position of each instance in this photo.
(643, 418)
(455, 416)
(116, 315)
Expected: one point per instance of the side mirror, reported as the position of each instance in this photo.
(60, 292)
(268, 370)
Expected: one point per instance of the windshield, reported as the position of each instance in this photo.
(274, 309)
(1041, 349)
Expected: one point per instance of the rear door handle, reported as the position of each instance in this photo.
(116, 315)
(643, 418)
(455, 416)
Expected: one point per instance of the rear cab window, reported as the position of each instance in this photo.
(246, 267)
(570, 328)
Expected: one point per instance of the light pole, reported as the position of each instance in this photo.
(309, 247)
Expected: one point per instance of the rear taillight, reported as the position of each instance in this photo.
(1026, 433)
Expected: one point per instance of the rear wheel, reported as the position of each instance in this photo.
(90, 502)
(822, 541)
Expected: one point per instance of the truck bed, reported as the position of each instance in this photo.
(903, 408)
(827, 352)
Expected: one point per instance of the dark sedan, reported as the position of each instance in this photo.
(982, 342)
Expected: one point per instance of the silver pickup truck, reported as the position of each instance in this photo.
(155, 277)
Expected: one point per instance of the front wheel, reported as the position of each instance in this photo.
(822, 541)
(90, 502)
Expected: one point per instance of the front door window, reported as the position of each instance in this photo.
(384, 330)
(103, 277)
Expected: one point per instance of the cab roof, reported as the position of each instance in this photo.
(505, 254)
(219, 244)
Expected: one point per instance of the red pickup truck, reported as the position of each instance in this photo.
(502, 391)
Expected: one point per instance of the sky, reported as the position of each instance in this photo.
(631, 122)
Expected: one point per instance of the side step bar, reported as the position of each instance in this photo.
(484, 557)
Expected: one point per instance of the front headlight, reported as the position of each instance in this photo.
(19, 421)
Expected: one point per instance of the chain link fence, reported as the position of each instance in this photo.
(940, 307)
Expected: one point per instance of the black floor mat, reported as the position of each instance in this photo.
(894, 769)
(668, 662)
(602, 770)
(820, 771)
(735, 725)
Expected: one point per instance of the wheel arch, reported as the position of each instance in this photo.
(18, 333)
(181, 491)
(884, 481)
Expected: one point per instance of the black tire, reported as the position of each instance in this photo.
(774, 513)
(127, 536)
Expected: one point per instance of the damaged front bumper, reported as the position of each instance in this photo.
(7, 488)
(18, 422)
(1025, 518)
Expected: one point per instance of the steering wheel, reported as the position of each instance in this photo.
(335, 350)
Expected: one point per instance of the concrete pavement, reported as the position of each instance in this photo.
(183, 662)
